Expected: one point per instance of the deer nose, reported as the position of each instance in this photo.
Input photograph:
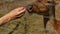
(29, 8)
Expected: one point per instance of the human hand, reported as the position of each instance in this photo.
(16, 13)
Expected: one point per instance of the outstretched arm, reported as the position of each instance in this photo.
(18, 12)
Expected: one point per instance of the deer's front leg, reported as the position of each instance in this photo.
(57, 27)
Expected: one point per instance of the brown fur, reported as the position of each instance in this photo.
(39, 6)
(57, 26)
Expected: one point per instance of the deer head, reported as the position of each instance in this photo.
(38, 7)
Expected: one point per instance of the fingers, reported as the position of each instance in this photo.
(21, 11)
(18, 12)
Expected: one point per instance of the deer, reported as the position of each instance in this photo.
(41, 7)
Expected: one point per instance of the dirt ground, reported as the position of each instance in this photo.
(28, 24)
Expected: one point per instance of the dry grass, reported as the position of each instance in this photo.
(34, 22)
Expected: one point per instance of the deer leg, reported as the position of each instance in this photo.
(46, 19)
(57, 27)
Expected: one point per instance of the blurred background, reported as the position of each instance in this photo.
(28, 24)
